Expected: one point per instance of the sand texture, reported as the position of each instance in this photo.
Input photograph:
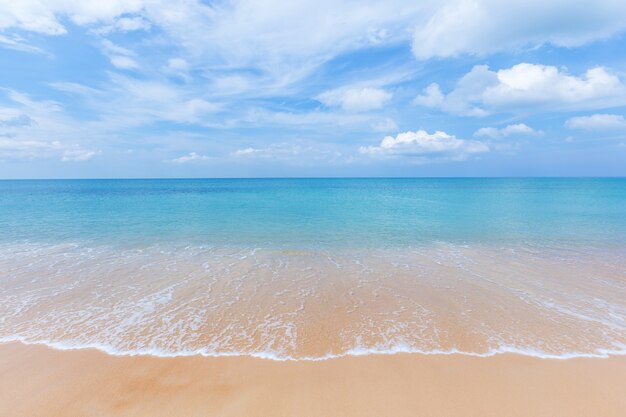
(40, 381)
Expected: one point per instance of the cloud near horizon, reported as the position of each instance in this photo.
(423, 145)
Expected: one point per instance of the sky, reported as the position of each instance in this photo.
(266, 88)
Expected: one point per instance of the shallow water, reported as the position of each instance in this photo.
(312, 269)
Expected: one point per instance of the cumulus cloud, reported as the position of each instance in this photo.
(425, 146)
(519, 129)
(355, 99)
(191, 157)
(597, 122)
(526, 87)
(486, 26)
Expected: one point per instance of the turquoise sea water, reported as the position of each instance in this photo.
(316, 268)
(316, 213)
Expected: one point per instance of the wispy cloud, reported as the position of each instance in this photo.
(519, 129)
(355, 99)
(191, 157)
(487, 26)
(21, 149)
(597, 122)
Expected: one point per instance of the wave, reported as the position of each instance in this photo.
(354, 352)
(297, 305)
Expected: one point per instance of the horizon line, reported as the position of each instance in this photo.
(318, 177)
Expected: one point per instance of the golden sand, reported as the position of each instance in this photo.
(39, 381)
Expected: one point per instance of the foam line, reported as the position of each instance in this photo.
(357, 351)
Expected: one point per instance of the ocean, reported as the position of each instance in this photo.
(310, 269)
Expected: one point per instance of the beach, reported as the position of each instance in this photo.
(289, 298)
(243, 208)
(40, 381)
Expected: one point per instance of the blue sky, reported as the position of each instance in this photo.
(152, 88)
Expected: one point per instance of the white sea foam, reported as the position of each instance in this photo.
(356, 351)
(312, 305)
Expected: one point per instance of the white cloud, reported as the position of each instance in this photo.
(294, 152)
(518, 129)
(245, 151)
(45, 16)
(425, 146)
(270, 36)
(273, 41)
(597, 122)
(275, 151)
(526, 87)
(129, 24)
(133, 102)
(191, 157)
(487, 26)
(27, 127)
(78, 155)
(16, 149)
(355, 99)
(314, 118)
(18, 43)
(124, 62)
(41, 106)
(120, 57)
(124, 24)
(75, 88)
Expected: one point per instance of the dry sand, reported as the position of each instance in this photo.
(39, 381)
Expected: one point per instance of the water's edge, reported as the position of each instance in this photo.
(65, 346)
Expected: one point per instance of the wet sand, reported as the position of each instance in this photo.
(316, 304)
(40, 381)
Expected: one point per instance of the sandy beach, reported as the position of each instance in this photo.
(239, 208)
(40, 381)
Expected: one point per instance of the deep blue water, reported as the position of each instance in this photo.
(318, 213)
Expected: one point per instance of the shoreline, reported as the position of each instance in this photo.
(353, 353)
(43, 381)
